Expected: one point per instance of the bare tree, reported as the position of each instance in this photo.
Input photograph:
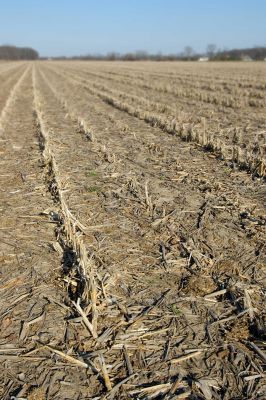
(112, 56)
(188, 52)
(211, 50)
(141, 55)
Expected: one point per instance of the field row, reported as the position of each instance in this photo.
(226, 94)
(233, 137)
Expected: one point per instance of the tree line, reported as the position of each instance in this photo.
(8, 52)
(212, 53)
(254, 53)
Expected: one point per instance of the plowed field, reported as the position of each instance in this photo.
(132, 230)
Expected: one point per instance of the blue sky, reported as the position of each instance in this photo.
(73, 27)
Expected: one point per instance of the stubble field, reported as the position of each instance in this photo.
(132, 238)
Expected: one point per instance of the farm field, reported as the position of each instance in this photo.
(132, 234)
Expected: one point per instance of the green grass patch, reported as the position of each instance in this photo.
(93, 189)
(175, 310)
(91, 173)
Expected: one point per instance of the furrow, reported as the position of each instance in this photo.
(12, 96)
(72, 228)
(34, 310)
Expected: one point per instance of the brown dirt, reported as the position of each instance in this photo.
(116, 236)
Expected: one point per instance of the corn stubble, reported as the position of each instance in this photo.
(155, 176)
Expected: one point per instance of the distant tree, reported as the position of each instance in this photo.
(254, 53)
(211, 50)
(8, 52)
(158, 57)
(112, 56)
(129, 57)
(188, 52)
(141, 55)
